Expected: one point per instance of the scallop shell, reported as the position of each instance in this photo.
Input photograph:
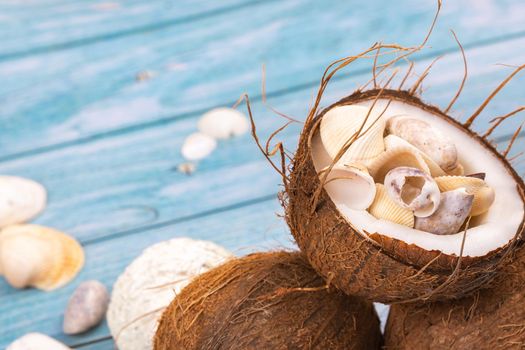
(223, 123)
(37, 256)
(36, 341)
(20, 200)
(350, 185)
(394, 158)
(393, 141)
(385, 208)
(413, 189)
(340, 124)
(453, 209)
(484, 195)
(425, 138)
(198, 146)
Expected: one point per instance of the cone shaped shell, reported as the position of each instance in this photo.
(350, 185)
(20, 200)
(483, 194)
(425, 138)
(395, 158)
(385, 208)
(37, 256)
(392, 141)
(343, 124)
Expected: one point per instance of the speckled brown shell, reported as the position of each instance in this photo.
(380, 268)
(266, 301)
(492, 319)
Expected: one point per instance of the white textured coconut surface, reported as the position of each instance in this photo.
(151, 282)
(36, 341)
(20, 200)
(223, 123)
(493, 229)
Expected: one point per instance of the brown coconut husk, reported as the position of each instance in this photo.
(489, 319)
(380, 268)
(266, 301)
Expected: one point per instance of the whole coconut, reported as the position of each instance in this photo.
(266, 301)
(490, 319)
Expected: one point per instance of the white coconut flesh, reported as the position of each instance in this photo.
(488, 231)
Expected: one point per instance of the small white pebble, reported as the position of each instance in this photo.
(86, 307)
(187, 168)
(223, 123)
(198, 146)
(36, 341)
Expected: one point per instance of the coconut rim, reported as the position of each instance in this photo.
(376, 238)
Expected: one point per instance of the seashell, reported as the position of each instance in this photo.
(187, 168)
(350, 185)
(484, 195)
(478, 175)
(86, 307)
(457, 171)
(20, 200)
(223, 123)
(393, 141)
(385, 208)
(37, 256)
(453, 209)
(413, 189)
(340, 124)
(425, 138)
(395, 158)
(36, 341)
(149, 284)
(198, 146)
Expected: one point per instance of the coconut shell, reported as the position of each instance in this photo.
(489, 319)
(378, 267)
(266, 301)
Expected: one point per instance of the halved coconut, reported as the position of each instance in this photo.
(388, 262)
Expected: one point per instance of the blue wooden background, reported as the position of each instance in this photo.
(106, 146)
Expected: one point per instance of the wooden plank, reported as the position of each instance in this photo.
(29, 28)
(124, 183)
(252, 227)
(56, 98)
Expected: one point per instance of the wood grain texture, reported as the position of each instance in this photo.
(63, 96)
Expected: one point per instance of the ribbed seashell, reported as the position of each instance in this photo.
(457, 171)
(341, 124)
(223, 123)
(37, 256)
(484, 195)
(453, 209)
(395, 158)
(425, 138)
(350, 185)
(385, 208)
(36, 341)
(86, 307)
(413, 189)
(393, 141)
(20, 200)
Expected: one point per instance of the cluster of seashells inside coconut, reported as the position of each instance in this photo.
(400, 169)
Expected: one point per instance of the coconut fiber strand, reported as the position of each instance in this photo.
(266, 301)
(489, 319)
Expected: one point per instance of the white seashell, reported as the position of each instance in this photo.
(453, 209)
(340, 124)
(393, 141)
(413, 189)
(425, 138)
(223, 123)
(395, 158)
(37, 256)
(149, 284)
(385, 208)
(457, 171)
(187, 168)
(36, 341)
(198, 146)
(20, 200)
(484, 195)
(86, 307)
(350, 185)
